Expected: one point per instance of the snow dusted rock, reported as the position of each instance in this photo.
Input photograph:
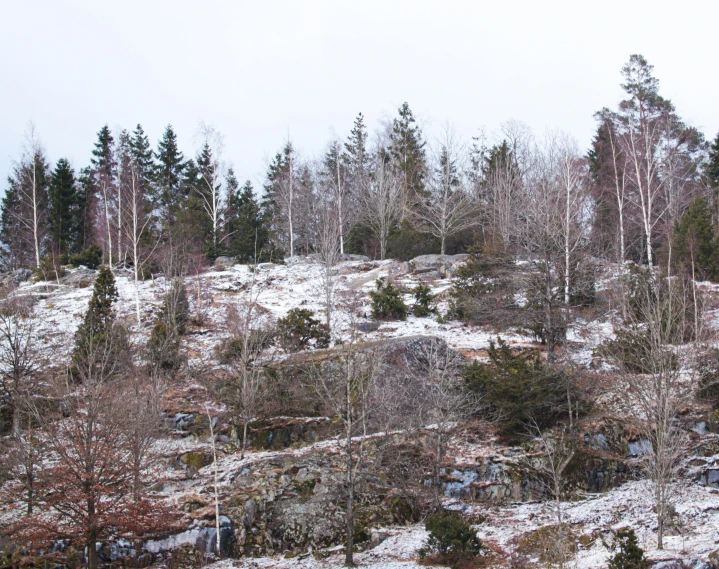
(16, 277)
(79, 278)
(224, 262)
(443, 264)
(198, 536)
(348, 257)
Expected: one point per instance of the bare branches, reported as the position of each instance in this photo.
(383, 202)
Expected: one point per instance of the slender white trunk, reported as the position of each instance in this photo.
(107, 222)
(567, 206)
(289, 211)
(340, 211)
(35, 224)
(215, 483)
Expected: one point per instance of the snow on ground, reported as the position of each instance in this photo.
(277, 289)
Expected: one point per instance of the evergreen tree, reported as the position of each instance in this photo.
(248, 237)
(407, 152)
(143, 160)
(104, 170)
(103, 157)
(630, 555)
(356, 156)
(87, 209)
(99, 342)
(169, 173)
(693, 249)
(64, 218)
(713, 166)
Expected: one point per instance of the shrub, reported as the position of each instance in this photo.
(423, 300)
(91, 257)
(486, 286)
(296, 330)
(709, 378)
(520, 388)
(451, 536)
(232, 349)
(163, 345)
(634, 350)
(387, 303)
(629, 554)
(49, 269)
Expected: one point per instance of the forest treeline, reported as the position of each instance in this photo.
(644, 191)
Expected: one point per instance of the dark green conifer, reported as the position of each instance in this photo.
(64, 216)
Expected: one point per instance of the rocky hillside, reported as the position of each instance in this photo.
(283, 504)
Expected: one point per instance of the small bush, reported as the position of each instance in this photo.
(49, 270)
(423, 300)
(296, 330)
(628, 553)
(163, 345)
(91, 257)
(451, 537)
(233, 349)
(387, 303)
(709, 378)
(520, 388)
(634, 350)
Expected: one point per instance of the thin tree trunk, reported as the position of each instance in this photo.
(215, 484)
(35, 227)
(349, 559)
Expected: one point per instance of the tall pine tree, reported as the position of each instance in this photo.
(713, 167)
(407, 152)
(169, 174)
(65, 216)
(247, 234)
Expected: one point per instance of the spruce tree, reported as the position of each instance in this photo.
(103, 157)
(99, 342)
(171, 166)
(64, 218)
(713, 166)
(694, 246)
(248, 237)
(143, 160)
(629, 554)
(356, 155)
(407, 151)
(87, 208)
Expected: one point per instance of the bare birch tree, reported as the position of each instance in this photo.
(138, 223)
(383, 202)
(441, 402)
(209, 184)
(660, 388)
(449, 208)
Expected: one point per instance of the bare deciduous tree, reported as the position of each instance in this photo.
(383, 202)
(657, 395)
(344, 386)
(18, 355)
(441, 401)
(208, 186)
(449, 208)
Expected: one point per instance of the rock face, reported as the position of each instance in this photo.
(16, 277)
(436, 266)
(80, 278)
(200, 536)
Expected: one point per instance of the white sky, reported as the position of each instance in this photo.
(257, 70)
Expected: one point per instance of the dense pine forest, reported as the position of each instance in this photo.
(404, 351)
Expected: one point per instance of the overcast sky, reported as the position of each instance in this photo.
(256, 70)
